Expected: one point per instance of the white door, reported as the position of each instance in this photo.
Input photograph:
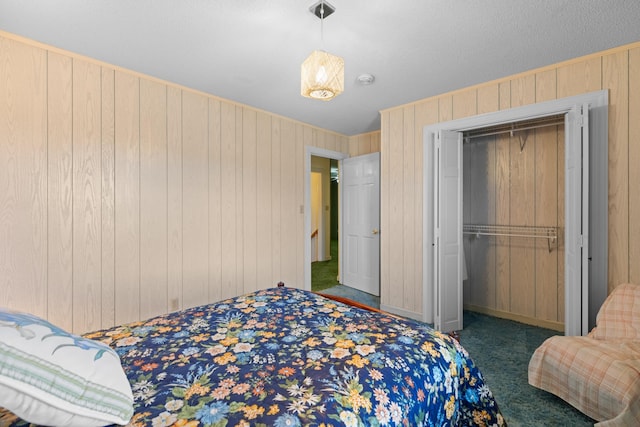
(360, 183)
(577, 221)
(447, 223)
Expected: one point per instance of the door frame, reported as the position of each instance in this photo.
(598, 200)
(306, 208)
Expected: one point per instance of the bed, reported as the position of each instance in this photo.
(289, 357)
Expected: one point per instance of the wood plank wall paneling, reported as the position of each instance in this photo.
(503, 215)
(618, 71)
(249, 202)
(364, 143)
(195, 199)
(239, 208)
(421, 114)
(215, 207)
(153, 199)
(264, 231)
(522, 204)
(634, 159)
(287, 199)
(385, 214)
(174, 199)
(488, 99)
(123, 197)
(464, 104)
(276, 191)
(127, 197)
(87, 197)
(23, 177)
(408, 209)
(504, 97)
(545, 213)
(227, 199)
(395, 225)
(615, 76)
(60, 207)
(489, 297)
(108, 202)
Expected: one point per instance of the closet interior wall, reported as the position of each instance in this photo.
(515, 180)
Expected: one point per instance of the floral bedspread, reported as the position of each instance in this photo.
(286, 357)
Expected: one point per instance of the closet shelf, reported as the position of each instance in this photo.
(536, 232)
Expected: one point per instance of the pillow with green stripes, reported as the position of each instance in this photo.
(51, 377)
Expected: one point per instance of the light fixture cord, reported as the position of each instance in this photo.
(322, 21)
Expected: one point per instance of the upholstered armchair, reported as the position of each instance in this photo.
(598, 374)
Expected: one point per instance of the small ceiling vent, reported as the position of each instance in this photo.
(316, 9)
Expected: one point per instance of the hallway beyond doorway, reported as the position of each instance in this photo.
(324, 274)
(324, 278)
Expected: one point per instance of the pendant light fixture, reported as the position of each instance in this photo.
(322, 74)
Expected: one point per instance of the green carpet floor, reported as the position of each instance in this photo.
(502, 349)
(324, 274)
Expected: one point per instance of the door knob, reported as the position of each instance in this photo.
(375, 231)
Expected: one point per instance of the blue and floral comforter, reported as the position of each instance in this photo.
(286, 357)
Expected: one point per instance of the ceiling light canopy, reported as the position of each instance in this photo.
(322, 74)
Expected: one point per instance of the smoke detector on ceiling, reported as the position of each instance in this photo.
(365, 79)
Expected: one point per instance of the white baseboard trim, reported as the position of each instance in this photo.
(401, 312)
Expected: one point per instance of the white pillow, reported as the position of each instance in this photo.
(51, 377)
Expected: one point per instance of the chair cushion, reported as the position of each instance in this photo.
(619, 316)
(601, 379)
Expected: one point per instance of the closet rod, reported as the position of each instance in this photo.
(499, 132)
(535, 232)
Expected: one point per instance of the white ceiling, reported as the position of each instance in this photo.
(250, 51)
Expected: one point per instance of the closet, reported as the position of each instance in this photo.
(515, 208)
(513, 220)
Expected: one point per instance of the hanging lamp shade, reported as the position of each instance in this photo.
(322, 76)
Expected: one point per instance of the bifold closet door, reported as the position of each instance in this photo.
(448, 231)
(577, 221)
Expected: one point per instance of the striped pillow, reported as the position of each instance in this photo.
(51, 377)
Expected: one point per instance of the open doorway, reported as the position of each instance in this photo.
(337, 209)
(309, 247)
(324, 223)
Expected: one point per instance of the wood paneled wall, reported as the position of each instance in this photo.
(123, 197)
(364, 143)
(617, 70)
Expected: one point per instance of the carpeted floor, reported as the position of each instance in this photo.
(324, 274)
(502, 349)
